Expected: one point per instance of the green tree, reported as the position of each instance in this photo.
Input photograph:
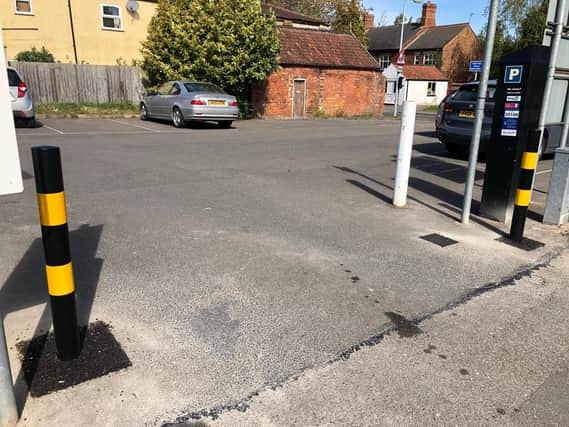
(513, 13)
(349, 17)
(318, 8)
(227, 42)
(35, 55)
(532, 27)
(399, 19)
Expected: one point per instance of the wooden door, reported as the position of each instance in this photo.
(299, 99)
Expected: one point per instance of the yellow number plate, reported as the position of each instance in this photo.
(466, 114)
(216, 102)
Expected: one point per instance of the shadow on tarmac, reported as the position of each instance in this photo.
(26, 287)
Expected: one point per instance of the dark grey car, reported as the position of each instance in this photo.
(185, 101)
(455, 121)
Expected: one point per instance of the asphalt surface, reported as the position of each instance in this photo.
(228, 261)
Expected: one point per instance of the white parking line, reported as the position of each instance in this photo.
(54, 129)
(545, 171)
(135, 126)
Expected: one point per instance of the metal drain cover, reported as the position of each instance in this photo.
(439, 239)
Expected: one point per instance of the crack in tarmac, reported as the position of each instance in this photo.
(242, 405)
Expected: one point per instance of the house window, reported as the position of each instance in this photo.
(429, 58)
(416, 59)
(384, 62)
(24, 7)
(111, 17)
(431, 89)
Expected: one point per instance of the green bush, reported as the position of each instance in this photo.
(34, 55)
(226, 42)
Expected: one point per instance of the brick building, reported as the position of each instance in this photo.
(321, 71)
(448, 47)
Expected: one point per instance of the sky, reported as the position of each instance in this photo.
(448, 11)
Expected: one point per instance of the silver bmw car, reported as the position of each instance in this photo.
(22, 104)
(186, 101)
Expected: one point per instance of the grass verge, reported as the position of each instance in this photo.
(86, 109)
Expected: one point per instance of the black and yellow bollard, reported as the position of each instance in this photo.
(523, 193)
(55, 234)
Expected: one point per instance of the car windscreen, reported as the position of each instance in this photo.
(203, 87)
(468, 93)
(13, 78)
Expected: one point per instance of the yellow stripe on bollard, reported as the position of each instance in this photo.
(523, 197)
(529, 160)
(52, 209)
(60, 280)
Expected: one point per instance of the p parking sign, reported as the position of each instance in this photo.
(513, 74)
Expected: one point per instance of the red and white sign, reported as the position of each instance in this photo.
(401, 58)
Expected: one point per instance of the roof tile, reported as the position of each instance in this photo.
(423, 72)
(323, 48)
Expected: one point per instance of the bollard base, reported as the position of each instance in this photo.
(65, 326)
(45, 373)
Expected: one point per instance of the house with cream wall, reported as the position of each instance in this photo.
(102, 32)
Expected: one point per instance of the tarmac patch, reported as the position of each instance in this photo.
(44, 373)
(439, 239)
(404, 327)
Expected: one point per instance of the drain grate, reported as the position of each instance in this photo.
(439, 239)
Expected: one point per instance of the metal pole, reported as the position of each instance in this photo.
(555, 40)
(400, 49)
(8, 408)
(404, 154)
(480, 104)
(565, 132)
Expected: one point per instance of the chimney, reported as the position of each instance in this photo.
(429, 18)
(369, 20)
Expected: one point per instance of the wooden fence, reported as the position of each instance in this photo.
(57, 83)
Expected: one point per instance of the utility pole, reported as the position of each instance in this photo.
(480, 104)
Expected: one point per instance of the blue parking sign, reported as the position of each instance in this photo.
(513, 74)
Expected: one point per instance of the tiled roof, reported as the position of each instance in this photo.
(323, 49)
(423, 72)
(289, 15)
(436, 37)
(415, 36)
(387, 37)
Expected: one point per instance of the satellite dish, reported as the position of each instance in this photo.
(132, 6)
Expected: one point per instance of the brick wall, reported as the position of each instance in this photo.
(334, 92)
(457, 54)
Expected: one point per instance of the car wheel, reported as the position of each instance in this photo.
(455, 149)
(30, 123)
(225, 124)
(177, 118)
(143, 112)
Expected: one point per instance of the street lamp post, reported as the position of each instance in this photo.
(399, 69)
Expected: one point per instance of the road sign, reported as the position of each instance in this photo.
(476, 66)
(10, 171)
(513, 74)
(401, 58)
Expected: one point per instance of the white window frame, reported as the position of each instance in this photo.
(103, 5)
(430, 54)
(31, 12)
(417, 59)
(384, 60)
(434, 93)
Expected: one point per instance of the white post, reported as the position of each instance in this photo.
(404, 153)
(10, 183)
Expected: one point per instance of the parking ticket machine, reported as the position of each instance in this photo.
(518, 100)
